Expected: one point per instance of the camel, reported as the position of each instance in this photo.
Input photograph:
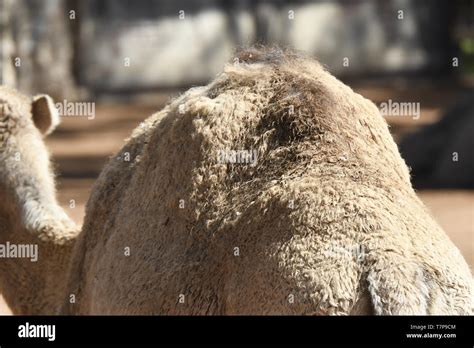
(274, 189)
(30, 217)
(440, 154)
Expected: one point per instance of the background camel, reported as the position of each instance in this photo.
(325, 221)
(29, 213)
(449, 141)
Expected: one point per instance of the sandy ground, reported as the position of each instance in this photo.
(81, 146)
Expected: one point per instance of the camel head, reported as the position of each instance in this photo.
(29, 213)
(27, 192)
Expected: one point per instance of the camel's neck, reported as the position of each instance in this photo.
(32, 225)
(34, 264)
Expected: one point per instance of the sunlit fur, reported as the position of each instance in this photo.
(276, 238)
(29, 212)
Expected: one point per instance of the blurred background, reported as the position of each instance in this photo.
(111, 63)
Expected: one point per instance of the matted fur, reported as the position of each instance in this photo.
(207, 237)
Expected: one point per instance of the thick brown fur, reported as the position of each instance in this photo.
(207, 237)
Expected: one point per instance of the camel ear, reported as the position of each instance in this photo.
(45, 114)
